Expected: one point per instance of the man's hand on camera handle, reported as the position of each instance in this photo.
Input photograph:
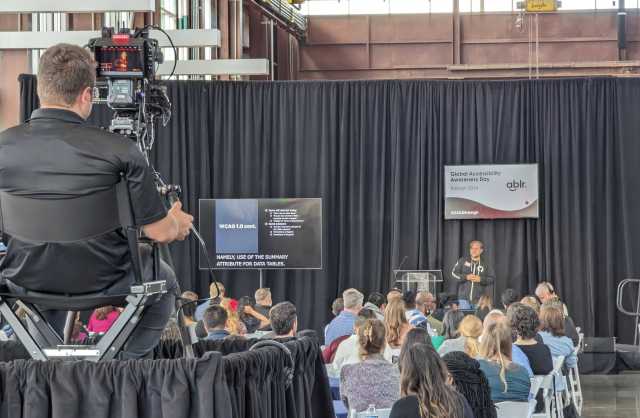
(185, 221)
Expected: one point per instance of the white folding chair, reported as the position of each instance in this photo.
(552, 398)
(516, 409)
(330, 371)
(535, 385)
(382, 413)
(574, 381)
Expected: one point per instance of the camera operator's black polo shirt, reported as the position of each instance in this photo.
(58, 155)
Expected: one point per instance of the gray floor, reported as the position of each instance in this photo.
(611, 396)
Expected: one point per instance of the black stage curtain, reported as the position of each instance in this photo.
(375, 151)
(135, 388)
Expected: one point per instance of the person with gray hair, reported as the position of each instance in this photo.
(545, 292)
(569, 327)
(263, 305)
(343, 323)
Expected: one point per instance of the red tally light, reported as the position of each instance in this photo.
(121, 37)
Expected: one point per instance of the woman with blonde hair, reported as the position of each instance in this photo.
(485, 305)
(470, 330)
(508, 381)
(374, 380)
(396, 324)
(231, 306)
(531, 302)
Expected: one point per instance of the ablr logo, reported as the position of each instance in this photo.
(515, 185)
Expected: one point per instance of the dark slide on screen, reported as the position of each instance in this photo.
(262, 233)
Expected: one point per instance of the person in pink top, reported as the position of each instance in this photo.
(102, 319)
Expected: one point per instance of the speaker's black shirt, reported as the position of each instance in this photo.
(58, 155)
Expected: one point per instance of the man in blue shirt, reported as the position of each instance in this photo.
(216, 322)
(213, 293)
(413, 315)
(343, 323)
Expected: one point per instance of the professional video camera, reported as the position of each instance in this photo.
(126, 82)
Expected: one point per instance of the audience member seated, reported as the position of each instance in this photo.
(469, 330)
(235, 337)
(569, 327)
(416, 336)
(485, 305)
(263, 305)
(212, 294)
(508, 381)
(376, 304)
(231, 306)
(466, 378)
(414, 316)
(531, 302)
(525, 323)
(396, 323)
(252, 319)
(451, 324)
(343, 323)
(102, 319)
(448, 301)
(189, 309)
(423, 387)
(509, 296)
(284, 321)
(517, 356)
(216, 323)
(554, 337)
(426, 303)
(373, 380)
(336, 308)
(394, 294)
(545, 291)
(329, 352)
(171, 331)
(346, 352)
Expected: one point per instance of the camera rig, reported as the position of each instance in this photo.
(126, 82)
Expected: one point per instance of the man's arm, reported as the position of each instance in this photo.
(489, 276)
(457, 271)
(175, 225)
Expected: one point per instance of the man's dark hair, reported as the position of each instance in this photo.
(363, 315)
(215, 317)
(448, 299)
(409, 300)
(282, 317)
(377, 299)
(65, 71)
(337, 306)
(509, 296)
(189, 305)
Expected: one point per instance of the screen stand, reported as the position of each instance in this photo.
(261, 279)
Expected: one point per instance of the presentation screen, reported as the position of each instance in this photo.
(261, 233)
(491, 191)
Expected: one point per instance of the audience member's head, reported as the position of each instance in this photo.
(361, 318)
(485, 302)
(263, 296)
(509, 296)
(511, 308)
(416, 335)
(425, 302)
(102, 313)
(377, 300)
(242, 303)
(423, 375)
(189, 309)
(552, 321)
(337, 306)
(471, 382)
(395, 320)
(531, 302)
(171, 331)
(284, 319)
(394, 294)
(553, 303)
(213, 291)
(352, 300)
(524, 322)
(449, 300)
(545, 291)
(471, 327)
(496, 345)
(409, 300)
(231, 306)
(216, 317)
(451, 324)
(371, 338)
(493, 318)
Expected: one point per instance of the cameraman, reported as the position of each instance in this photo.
(58, 155)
